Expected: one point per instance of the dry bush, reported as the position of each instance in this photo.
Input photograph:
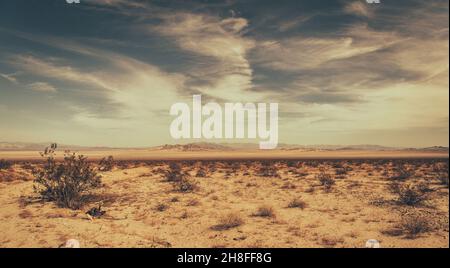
(174, 174)
(27, 166)
(326, 180)
(267, 169)
(443, 178)
(201, 173)
(185, 185)
(161, 207)
(4, 164)
(340, 171)
(408, 194)
(297, 203)
(402, 173)
(228, 221)
(265, 211)
(414, 225)
(67, 182)
(106, 164)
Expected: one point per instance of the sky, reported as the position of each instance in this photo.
(106, 72)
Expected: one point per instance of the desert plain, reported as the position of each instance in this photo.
(237, 199)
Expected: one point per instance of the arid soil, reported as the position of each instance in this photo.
(270, 203)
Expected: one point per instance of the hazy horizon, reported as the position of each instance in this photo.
(230, 143)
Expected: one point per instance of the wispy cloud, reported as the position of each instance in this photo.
(42, 87)
(228, 71)
(9, 77)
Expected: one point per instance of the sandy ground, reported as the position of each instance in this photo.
(143, 209)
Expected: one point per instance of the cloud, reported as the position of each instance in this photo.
(227, 72)
(302, 52)
(42, 87)
(9, 77)
(51, 69)
(134, 90)
(359, 8)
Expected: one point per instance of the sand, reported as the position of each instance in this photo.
(144, 210)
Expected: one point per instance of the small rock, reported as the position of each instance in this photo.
(372, 243)
(71, 243)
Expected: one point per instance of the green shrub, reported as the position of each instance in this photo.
(66, 182)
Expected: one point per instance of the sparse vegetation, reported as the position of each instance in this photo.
(414, 224)
(229, 221)
(443, 178)
(401, 173)
(201, 173)
(161, 207)
(174, 174)
(4, 164)
(185, 185)
(106, 164)
(67, 182)
(267, 169)
(408, 194)
(166, 196)
(265, 211)
(326, 180)
(297, 203)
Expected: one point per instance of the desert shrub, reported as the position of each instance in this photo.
(185, 185)
(228, 221)
(267, 169)
(424, 187)
(201, 173)
(28, 166)
(161, 207)
(414, 224)
(340, 171)
(4, 164)
(66, 182)
(265, 211)
(106, 164)
(408, 194)
(292, 163)
(326, 180)
(443, 178)
(402, 173)
(174, 174)
(297, 203)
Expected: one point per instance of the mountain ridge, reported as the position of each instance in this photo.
(206, 146)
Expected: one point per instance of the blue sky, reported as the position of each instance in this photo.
(105, 72)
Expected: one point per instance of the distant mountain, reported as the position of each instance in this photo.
(200, 146)
(205, 146)
(27, 146)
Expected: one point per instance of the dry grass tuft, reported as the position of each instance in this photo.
(297, 203)
(265, 211)
(228, 221)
